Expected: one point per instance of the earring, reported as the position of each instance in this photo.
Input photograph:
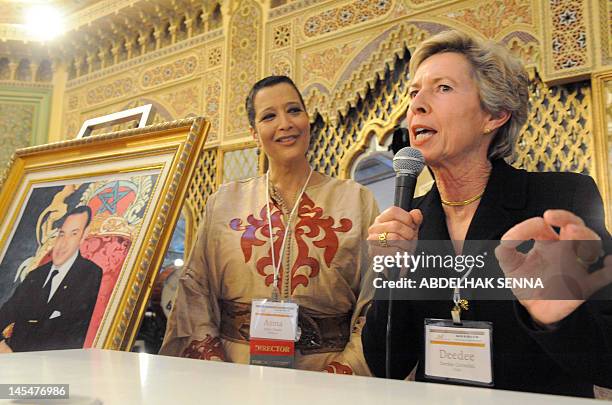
(488, 131)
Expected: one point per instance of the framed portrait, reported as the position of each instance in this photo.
(84, 226)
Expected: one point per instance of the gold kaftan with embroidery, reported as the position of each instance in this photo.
(231, 263)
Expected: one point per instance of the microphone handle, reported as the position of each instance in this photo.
(405, 185)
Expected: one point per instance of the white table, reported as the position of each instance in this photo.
(130, 379)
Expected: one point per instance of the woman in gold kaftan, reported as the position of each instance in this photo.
(323, 258)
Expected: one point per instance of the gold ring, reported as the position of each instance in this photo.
(584, 263)
(382, 239)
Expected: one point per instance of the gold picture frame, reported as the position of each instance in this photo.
(131, 184)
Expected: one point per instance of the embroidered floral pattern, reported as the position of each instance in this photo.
(208, 348)
(312, 225)
(338, 368)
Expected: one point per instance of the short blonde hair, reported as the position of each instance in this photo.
(502, 81)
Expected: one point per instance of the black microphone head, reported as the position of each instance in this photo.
(408, 161)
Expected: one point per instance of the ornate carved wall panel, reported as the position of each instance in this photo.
(24, 118)
(184, 101)
(558, 135)
(213, 83)
(80, 73)
(212, 105)
(492, 18)
(244, 59)
(215, 56)
(279, 11)
(525, 47)
(326, 64)
(344, 15)
(280, 57)
(605, 29)
(15, 129)
(113, 89)
(169, 72)
(203, 184)
(238, 164)
(568, 35)
(282, 35)
(281, 63)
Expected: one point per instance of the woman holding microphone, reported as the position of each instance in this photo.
(469, 101)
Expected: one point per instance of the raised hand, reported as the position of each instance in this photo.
(561, 260)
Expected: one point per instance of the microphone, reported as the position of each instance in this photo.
(408, 163)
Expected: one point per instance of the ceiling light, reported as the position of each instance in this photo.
(44, 23)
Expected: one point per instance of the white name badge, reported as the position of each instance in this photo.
(273, 333)
(274, 320)
(459, 353)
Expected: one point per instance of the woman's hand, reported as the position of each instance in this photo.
(4, 348)
(560, 261)
(397, 226)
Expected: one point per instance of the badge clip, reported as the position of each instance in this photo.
(462, 304)
(275, 293)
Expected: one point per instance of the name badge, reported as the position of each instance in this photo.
(273, 333)
(459, 353)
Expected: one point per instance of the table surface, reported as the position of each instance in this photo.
(110, 377)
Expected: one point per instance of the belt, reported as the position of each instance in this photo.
(320, 333)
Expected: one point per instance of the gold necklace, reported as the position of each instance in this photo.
(461, 203)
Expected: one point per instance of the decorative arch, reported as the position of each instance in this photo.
(356, 81)
(338, 142)
(5, 71)
(23, 72)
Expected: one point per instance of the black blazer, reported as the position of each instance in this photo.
(74, 300)
(567, 360)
